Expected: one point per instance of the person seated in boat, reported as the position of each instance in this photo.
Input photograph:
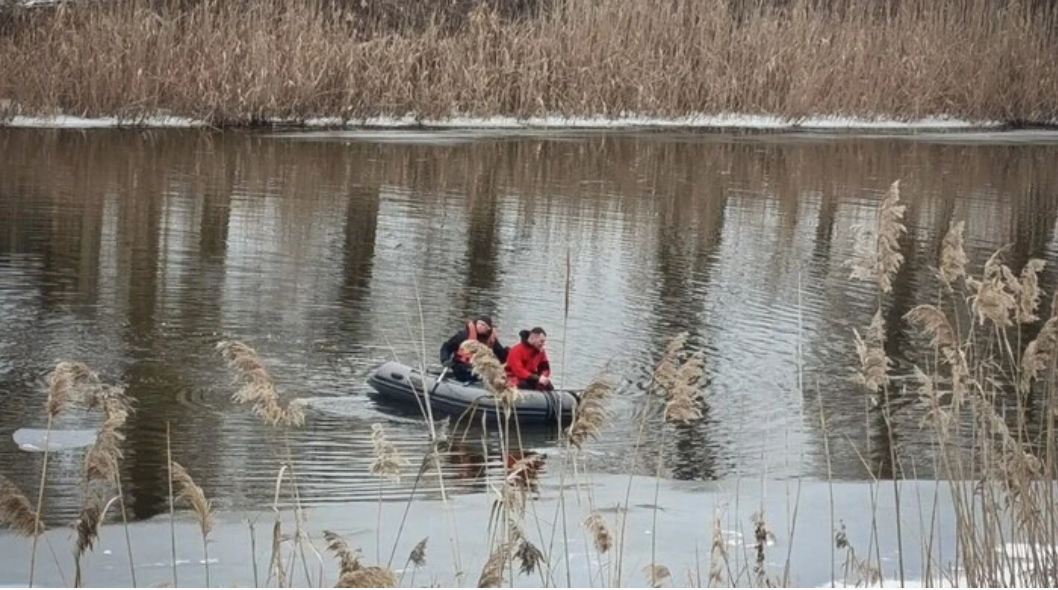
(458, 360)
(527, 364)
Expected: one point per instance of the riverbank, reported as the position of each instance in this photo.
(230, 65)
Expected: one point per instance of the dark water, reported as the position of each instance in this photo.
(137, 251)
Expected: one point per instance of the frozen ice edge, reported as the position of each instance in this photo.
(722, 121)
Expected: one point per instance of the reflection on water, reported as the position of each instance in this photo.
(137, 251)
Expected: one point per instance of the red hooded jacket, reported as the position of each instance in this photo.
(524, 361)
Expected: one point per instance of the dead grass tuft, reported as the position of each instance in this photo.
(952, 255)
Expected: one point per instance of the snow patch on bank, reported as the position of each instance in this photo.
(722, 121)
(73, 122)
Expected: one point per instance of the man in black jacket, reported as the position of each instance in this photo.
(457, 361)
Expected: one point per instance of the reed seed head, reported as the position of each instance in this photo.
(657, 574)
(529, 556)
(878, 254)
(953, 258)
(258, 388)
(1040, 352)
(16, 511)
(590, 414)
(1029, 291)
(418, 554)
(388, 461)
(190, 491)
(372, 576)
(348, 558)
(600, 532)
(874, 363)
(491, 372)
(492, 572)
(995, 297)
(87, 525)
(102, 459)
(69, 381)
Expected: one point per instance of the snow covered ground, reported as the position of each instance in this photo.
(723, 121)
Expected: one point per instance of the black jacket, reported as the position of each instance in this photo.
(450, 347)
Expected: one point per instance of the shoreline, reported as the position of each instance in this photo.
(698, 122)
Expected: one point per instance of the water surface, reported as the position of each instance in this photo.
(136, 251)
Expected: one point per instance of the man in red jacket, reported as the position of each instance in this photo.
(527, 364)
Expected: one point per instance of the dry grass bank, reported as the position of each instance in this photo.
(235, 63)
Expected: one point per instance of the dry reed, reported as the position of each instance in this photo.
(878, 257)
(233, 63)
(492, 572)
(953, 257)
(657, 574)
(372, 576)
(418, 553)
(600, 532)
(489, 368)
(348, 558)
(16, 512)
(203, 508)
(388, 461)
(590, 412)
(874, 363)
(258, 387)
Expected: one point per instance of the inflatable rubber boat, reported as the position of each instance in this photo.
(399, 383)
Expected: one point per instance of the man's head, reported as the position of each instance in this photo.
(483, 324)
(537, 338)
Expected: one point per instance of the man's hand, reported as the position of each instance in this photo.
(545, 380)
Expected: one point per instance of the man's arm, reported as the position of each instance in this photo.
(500, 351)
(450, 346)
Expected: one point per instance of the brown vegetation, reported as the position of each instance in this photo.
(243, 63)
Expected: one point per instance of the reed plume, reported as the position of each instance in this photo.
(657, 573)
(718, 553)
(372, 576)
(348, 558)
(665, 373)
(874, 363)
(388, 461)
(1029, 291)
(683, 394)
(995, 294)
(878, 254)
(489, 369)
(103, 457)
(529, 556)
(88, 522)
(202, 507)
(1039, 354)
(590, 413)
(69, 381)
(258, 388)
(953, 257)
(492, 573)
(15, 509)
(600, 532)
(418, 553)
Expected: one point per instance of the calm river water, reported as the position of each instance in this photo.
(330, 253)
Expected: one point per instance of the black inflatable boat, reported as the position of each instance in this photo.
(395, 382)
